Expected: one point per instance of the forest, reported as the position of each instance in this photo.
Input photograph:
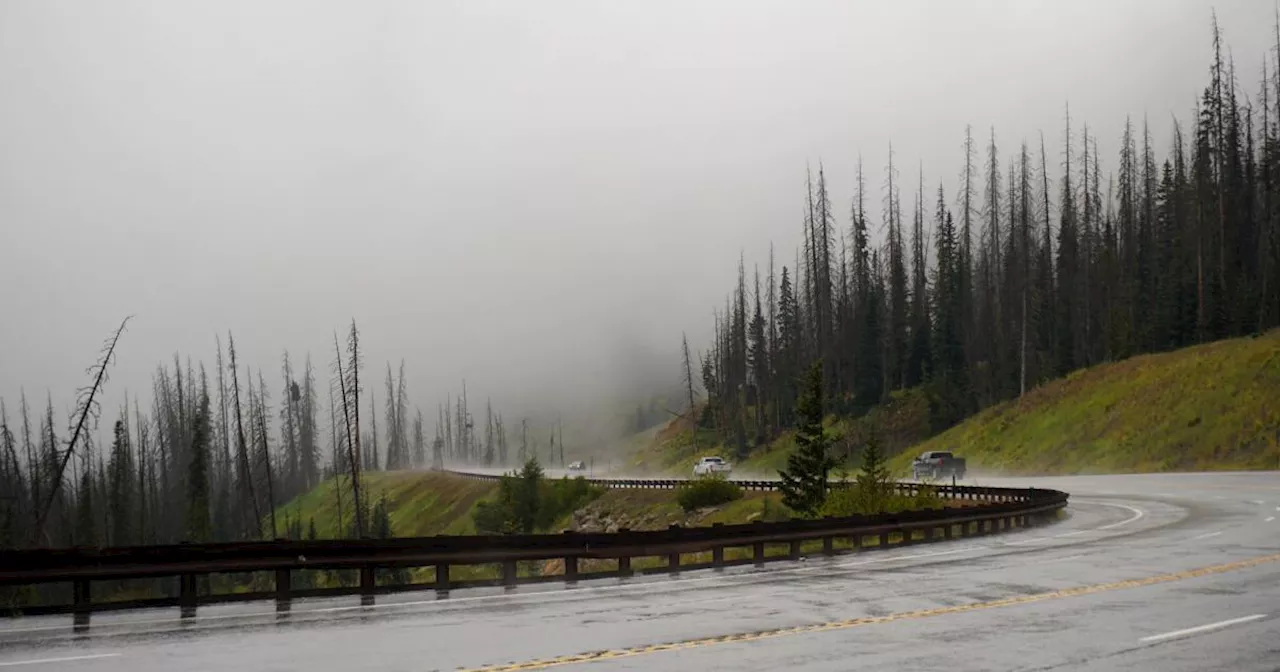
(212, 460)
(977, 296)
(981, 295)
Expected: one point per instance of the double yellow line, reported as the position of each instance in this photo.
(872, 620)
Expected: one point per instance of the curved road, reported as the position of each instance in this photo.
(1154, 572)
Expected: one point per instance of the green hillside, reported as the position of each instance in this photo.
(900, 422)
(419, 503)
(1208, 407)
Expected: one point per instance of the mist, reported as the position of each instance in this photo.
(535, 198)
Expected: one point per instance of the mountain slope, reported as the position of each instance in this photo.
(1209, 407)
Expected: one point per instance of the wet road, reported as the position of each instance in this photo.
(1162, 572)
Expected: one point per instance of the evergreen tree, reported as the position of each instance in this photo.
(197, 484)
(120, 487)
(804, 481)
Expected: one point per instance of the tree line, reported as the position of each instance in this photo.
(980, 296)
(218, 452)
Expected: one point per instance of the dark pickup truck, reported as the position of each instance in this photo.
(936, 464)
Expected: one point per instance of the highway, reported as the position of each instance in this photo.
(1151, 572)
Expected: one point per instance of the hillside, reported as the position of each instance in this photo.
(420, 503)
(900, 423)
(1208, 407)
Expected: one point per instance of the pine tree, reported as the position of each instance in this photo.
(197, 482)
(804, 481)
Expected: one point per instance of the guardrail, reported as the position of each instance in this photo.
(970, 493)
(995, 510)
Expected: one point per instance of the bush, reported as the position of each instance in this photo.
(526, 502)
(861, 500)
(707, 491)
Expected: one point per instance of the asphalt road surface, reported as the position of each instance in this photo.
(1161, 572)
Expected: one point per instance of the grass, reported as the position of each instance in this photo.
(1209, 407)
(900, 422)
(420, 503)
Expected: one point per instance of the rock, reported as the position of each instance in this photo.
(553, 567)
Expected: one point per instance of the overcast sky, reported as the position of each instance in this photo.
(536, 196)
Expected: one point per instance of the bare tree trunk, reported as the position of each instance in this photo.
(353, 448)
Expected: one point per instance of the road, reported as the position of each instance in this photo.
(1155, 572)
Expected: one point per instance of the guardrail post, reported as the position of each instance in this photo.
(81, 601)
(794, 553)
(367, 585)
(509, 574)
(571, 569)
(624, 563)
(442, 579)
(884, 540)
(673, 559)
(948, 531)
(717, 552)
(570, 565)
(284, 584)
(187, 595)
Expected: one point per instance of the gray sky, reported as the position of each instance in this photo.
(538, 197)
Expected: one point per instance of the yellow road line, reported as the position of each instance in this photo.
(872, 620)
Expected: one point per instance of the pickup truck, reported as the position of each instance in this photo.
(708, 466)
(935, 464)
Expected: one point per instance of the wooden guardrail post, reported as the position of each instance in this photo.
(187, 595)
(367, 585)
(624, 562)
(81, 603)
(509, 574)
(717, 551)
(570, 564)
(757, 548)
(828, 542)
(794, 551)
(884, 540)
(673, 559)
(442, 579)
(284, 585)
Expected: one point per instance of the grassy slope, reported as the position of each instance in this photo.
(900, 423)
(421, 503)
(1209, 407)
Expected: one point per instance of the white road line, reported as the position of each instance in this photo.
(41, 661)
(1259, 502)
(1137, 514)
(1269, 519)
(1202, 628)
(1206, 536)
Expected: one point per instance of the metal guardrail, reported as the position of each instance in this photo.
(993, 510)
(969, 493)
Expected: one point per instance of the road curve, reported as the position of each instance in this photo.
(1153, 572)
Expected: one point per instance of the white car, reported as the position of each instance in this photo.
(711, 465)
(577, 466)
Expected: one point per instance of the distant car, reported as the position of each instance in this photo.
(577, 466)
(935, 464)
(708, 466)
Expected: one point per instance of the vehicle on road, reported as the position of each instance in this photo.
(577, 466)
(709, 466)
(935, 464)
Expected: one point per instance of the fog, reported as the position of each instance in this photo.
(535, 197)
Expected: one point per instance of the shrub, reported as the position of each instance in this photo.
(526, 502)
(707, 491)
(859, 499)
